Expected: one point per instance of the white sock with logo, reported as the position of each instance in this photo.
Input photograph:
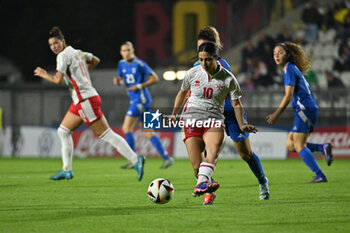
(119, 143)
(67, 149)
(206, 171)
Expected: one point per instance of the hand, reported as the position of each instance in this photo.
(117, 81)
(248, 129)
(133, 88)
(272, 118)
(40, 72)
(171, 120)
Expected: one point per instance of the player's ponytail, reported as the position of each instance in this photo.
(56, 32)
(297, 56)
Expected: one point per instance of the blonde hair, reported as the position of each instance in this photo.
(209, 33)
(297, 56)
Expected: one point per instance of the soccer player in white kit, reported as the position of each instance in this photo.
(209, 84)
(73, 68)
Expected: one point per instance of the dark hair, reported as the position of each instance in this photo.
(297, 56)
(55, 32)
(209, 47)
(209, 33)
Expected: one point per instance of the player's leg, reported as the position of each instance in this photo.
(299, 140)
(195, 147)
(254, 163)
(102, 129)
(128, 128)
(213, 138)
(156, 142)
(69, 123)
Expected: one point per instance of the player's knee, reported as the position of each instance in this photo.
(63, 132)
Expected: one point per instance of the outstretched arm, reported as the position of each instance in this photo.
(238, 108)
(56, 78)
(272, 118)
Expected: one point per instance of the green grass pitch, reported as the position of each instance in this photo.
(104, 198)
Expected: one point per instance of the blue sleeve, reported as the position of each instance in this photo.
(224, 64)
(289, 76)
(119, 69)
(146, 70)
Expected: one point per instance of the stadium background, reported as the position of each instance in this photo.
(164, 36)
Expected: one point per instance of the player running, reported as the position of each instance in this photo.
(137, 76)
(239, 138)
(291, 58)
(73, 68)
(209, 84)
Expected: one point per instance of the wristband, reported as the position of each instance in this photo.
(139, 86)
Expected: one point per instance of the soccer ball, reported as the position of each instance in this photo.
(160, 191)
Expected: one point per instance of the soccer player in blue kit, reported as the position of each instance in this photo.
(240, 139)
(291, 58)
(137, 76)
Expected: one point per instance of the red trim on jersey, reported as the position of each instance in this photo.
(76, 88)
(185, 108)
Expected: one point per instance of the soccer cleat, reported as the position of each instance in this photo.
(139, 167)
(327, 151)
(209, 198)
(167, 163)
(127, 166)
(264, 190)
(319, 179)
(205, 187)
(62, 174)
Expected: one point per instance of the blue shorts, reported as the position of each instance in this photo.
(136, 109)
(235, 133)
(304, 121)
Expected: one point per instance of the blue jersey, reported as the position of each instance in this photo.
(136, 72)
(303, 99)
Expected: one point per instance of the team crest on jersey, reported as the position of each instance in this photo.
(133, 70)
(197, 83)
(219, 87)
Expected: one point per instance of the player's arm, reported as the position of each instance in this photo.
(272, 118)
(118, 80)
(179, 102)
(238, 109)
(152, 79)
(93, 63)
(56, 78)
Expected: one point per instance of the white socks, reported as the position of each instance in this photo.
(65, 136)
(120, 144)
(206, 170)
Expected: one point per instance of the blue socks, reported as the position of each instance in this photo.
(315, 147)
(129, 137)
(310, 161)
(155, 140)
(256, 167)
